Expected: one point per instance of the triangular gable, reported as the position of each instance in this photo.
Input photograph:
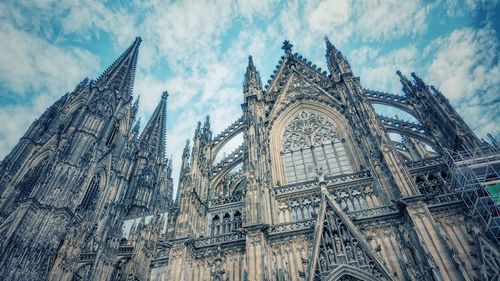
(300, 65)
(298, 87)
(339, 249)
(489, 258)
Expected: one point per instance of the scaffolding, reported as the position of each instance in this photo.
(475, 175)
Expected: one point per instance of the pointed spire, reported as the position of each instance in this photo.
(185, 153)
(252, 84)
(121, 73)
(197, 132)
(418, 81)
(170, 166)
(206, 126)
(137, 126)
(336, 62)
(135, 108)
(329, 45)
(407, 85)
(153, 136)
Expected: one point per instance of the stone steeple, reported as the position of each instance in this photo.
(119, 76)
(337, 63)
(252, 85)
(152, 139)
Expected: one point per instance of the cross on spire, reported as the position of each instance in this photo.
(287, 46)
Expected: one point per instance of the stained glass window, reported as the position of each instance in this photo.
(310, 141)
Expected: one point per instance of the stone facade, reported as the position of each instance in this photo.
(316, 191)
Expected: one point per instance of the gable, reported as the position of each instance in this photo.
(339, 250)
(299, 88)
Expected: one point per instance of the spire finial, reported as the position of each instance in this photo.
(164, 95)
(336, 62)
(329, 45)
(407, 85)
(287, 46)
(250, 61)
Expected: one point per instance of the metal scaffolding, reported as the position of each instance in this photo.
(475, 174)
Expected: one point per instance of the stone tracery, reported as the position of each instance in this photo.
(310, 140)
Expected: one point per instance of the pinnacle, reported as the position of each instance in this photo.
(250, 62)
(252, 77)
(329, 45)
(287, 46)
(153, 135)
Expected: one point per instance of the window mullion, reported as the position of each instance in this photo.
(330, 170)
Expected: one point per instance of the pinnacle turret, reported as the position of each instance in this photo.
(135, 108)
(252, 84)
(407, 85)
(153, 136)
(337, 63)
(119, 76)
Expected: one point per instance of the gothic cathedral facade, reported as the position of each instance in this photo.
(317, 190)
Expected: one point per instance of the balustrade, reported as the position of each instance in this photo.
(223, 238)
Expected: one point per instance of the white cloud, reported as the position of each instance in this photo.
(389, 19)
(330, 14)
(465, 67)
(378, 70)
(198, 52)
(28, 63)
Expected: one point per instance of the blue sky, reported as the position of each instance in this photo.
(198, 52)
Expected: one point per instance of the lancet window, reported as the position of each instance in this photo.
(33, 176)
(90, 199)
(226, 224)
(112, 135)
(310, 141)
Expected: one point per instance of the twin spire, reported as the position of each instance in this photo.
(120, 75)
(153, 137)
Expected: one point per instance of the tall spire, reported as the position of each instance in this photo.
(252, 84)
(153, 136)
(120, 74)
(337, 63)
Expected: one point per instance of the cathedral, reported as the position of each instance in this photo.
(318, 189)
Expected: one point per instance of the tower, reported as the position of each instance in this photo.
(67, 185)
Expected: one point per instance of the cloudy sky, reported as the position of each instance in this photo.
(198, 52)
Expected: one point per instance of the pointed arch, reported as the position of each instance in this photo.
(32, 175)
(338, 125)
(93, 191)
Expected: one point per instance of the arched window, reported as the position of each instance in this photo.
(112, 135)
(310, 142)
(226, 223)
(32, 177)
(237, 220)
(215, 226)
(90, 199)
